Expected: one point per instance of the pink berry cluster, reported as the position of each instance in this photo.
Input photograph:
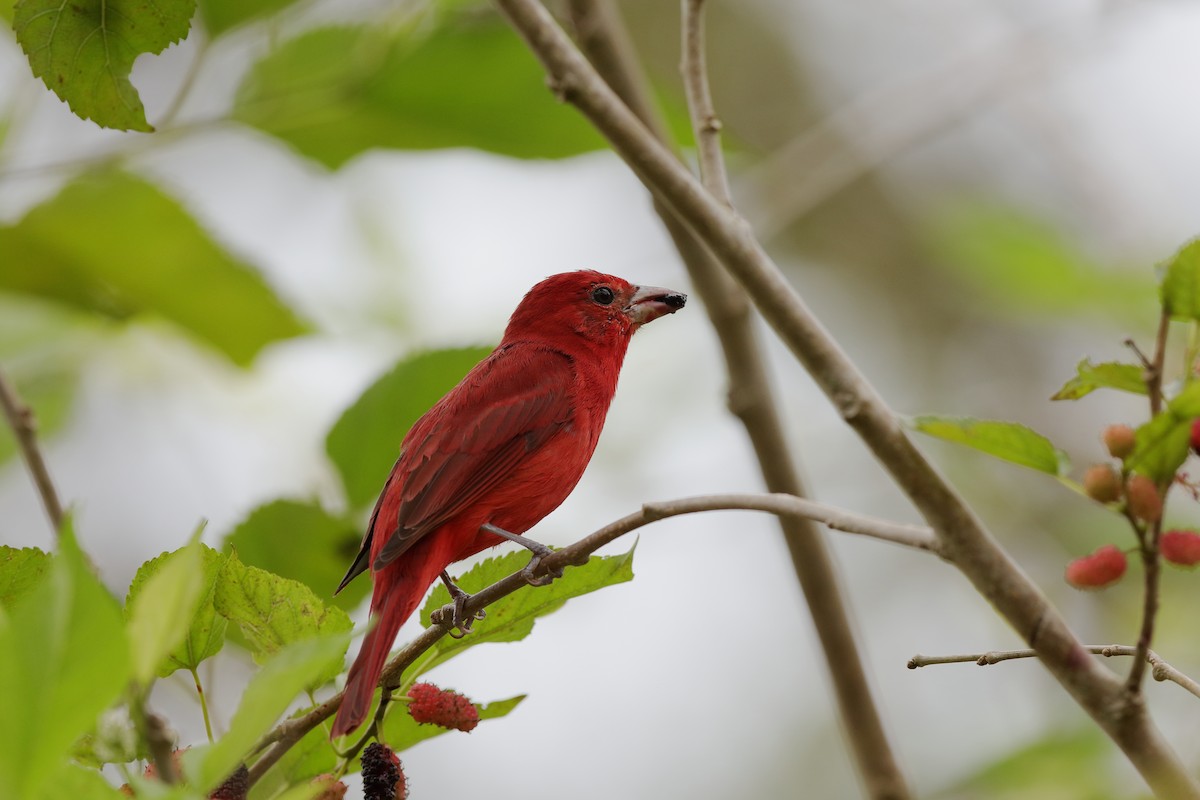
(428, 703)
(1142, 501)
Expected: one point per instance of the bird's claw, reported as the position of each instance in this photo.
(540, 580)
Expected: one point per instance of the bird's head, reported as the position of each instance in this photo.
(601, 308)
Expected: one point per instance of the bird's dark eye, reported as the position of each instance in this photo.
(603, 295)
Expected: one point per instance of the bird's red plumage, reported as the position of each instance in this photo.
(505, 446)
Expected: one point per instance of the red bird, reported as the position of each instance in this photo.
(503, 449)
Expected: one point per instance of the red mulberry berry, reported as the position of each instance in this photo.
(1145, 502)
(331, 788)
(441, 707)
(1097, 570)
(1120, 440)
(1102, 483)
(1180, 547)
(1196, 436)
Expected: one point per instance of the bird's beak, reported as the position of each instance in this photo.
(651, 302)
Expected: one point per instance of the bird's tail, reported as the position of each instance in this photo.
(398, 603)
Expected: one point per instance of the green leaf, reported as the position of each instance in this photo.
(63, 660)
(268, 539)
(164, 592)
(1013, 261)
(1180, 291)
(6, 10)
(273, 612)
(400, 731)
(334, 93)
(78, 783)
(511, 618)
(206, 631)
(221, 15)
(289, 672)
(1162, 443)
(83, 50)
(21, 570)
(1062, 764)
(1108, 375)
(1007, 440)
(112, 244)
(365, 441)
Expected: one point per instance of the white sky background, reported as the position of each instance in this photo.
(701, 678)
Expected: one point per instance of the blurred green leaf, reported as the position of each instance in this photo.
(63, 660)
(78, 783)
(1163, 442)
(1006, 440)
(290, 671)
(273, 612)
(186, 584)
(115, 245)
(1181, 284)
(1022, 264)
(365, 441)
(268, 539)
(1109, 375)
(333, 93)
(400, 731)
(21, 570)
(511, 618)
(1072, 765)
(221, 15)
(83, 50)
(6, 10)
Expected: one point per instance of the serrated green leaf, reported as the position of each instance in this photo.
(1162, 443)
(113, 244)
(273, 612)
(222, 15)
(164, 593)
(365, 441)
(84, 50)
(206, 631)
(63, 660)
(400, 731)
(290, 671)
(78, 783)
(1108, 375)
(267, 539)
(1180, 291)
(21, 570)
(334, 93)
(1009, 441)
(511, 618)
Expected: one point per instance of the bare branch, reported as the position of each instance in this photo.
(24, 427)
(1162, 671)
(965, 540)
(603, 36)
(287, 733)
(705, 124)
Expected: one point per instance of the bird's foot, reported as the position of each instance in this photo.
(459, 618)
(539, 551)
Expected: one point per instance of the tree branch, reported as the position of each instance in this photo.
(1162, 671)
(603, 37)
(706, 125)
(288, 733)
(24, 427)
(964, 539)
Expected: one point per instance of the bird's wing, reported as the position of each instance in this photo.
(506, 408)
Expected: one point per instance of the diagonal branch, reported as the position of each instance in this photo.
(967, 543)
(603, 37)
(289, 732)
(24, 427)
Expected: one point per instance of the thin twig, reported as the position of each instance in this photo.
(1154, 379)
(603, 37)
(965, 540)
(24, 427)
(287, 733)
(706, 125)
(1162, 671)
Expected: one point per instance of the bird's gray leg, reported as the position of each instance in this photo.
(462, 620)
(538, 549)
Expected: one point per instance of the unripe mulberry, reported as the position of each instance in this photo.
(1097, 570)
(1102, 483)
(1180, 547)
(1120, 440)
(442, 707)
(383, 777)
(235, 787)
(1145, 502)
(331, 787)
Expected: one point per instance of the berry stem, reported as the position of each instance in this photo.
(203, 705)
(1151, 569)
